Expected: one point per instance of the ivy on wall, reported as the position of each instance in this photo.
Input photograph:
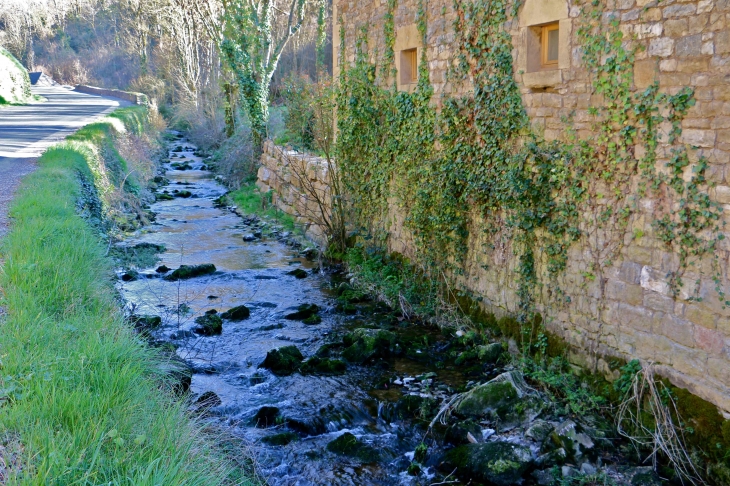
(475, 174)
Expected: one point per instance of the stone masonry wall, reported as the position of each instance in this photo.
(299, 183)
(628, 311)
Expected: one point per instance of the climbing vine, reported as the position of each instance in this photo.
(475, 174)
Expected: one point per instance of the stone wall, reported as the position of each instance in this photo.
(628, 311)
(136, 98)
(299, 185)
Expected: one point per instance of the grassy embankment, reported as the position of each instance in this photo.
(250, 200)
(82, 399)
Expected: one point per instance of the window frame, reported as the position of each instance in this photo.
(409, 56)
(545, 35)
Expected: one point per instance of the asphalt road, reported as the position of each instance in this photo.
(26, 131)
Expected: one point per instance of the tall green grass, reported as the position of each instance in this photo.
(80, 395)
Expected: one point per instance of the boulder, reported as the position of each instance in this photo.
(349, 445)
(490, 353)
(238, 313)
(304, 311)
(191, 271)
(145, 324)
(209, 325)
(207, 400)
(364, 344)
(323, 366)
(267, 417)
(570, 437)
(507, 398)
(283, 361)
(498, 463)
(298, 273)
(281, 439)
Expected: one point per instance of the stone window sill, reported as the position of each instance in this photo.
(543, 79)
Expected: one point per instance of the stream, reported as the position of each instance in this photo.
(374, 409)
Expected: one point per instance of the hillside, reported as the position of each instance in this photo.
(14, 80)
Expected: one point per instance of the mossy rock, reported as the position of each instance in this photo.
(324, 366)
(313, 320)
(489, 353)
(238, 313)
(162, 269)
(186, 272)
(570, 437)
(365, 344)
(281, 439)
(415, 407)
(267, 417)
(163, 196)
(209, 325)
(182, 194)
(283, 361)
(298, 273)
(503, 398)
(220, 202)
(130, 276)
(349, 445)
(304, 311)
(145, 324)
(497, 463)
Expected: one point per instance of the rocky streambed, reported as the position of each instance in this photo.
(327, 385)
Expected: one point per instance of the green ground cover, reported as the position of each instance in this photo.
(82, 399)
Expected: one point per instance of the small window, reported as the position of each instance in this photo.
(409, 66)
(550, 42)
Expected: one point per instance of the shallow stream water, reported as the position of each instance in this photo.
(316, 408)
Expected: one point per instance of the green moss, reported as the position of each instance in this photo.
(283, 361)
(325, 366)
(281, 439)
(304, 311)
(209, 325)
(238, 313)
(250, 201)
(364, 344)
(348, 445)
(185, 272)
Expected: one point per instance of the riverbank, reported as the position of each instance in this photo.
(82, 399)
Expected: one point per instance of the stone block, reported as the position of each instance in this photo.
(679, 10)
(700, 316)
(699, 138)
(645, 73)
(658, 302)
(676, 28)
(662, 47)
(710, 340)
(654, 280)
(722, 42)
(624, 292)
(722, 194)
(678, 330)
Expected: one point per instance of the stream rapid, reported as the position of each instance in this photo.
(307, 411)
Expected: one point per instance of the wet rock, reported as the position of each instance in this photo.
(191, 271)
(130, 276)
(643, 476)
(539, 430)
(182, 335)
(267, 417)
(283, 361)
(162, 269)
(258, 234)
(324, 366)
(207, 400)
(365, 344)
(145, 324)
(570, 437)
(163, 196)
(179, 372)
(458, 433)
(489, 353)
(182, 194)
(506, 397)
(498, 463)
(249, 237)
(415, 406)
(552, 458)
(238, 313)
(298, 273)
(313, 320)
(349, 445)
(220, 202)
(304, 311)
(544, 477)
(209, 325)
(281, 439)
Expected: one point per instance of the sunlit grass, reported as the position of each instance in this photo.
(78, 390)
